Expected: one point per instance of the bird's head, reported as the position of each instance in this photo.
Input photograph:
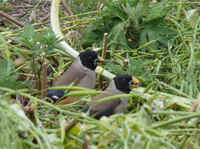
(90, 59)
(125, 82)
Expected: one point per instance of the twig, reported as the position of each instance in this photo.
(105, 45)
(12, 19)
(68, 11)
(45, 18)
(86, 142)
(44, 80)
(104, 56)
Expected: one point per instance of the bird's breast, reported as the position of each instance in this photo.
(89, 81)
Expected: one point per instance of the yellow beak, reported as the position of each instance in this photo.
(101, 59)
(135, 81)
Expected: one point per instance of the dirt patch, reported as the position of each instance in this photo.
(27, 11)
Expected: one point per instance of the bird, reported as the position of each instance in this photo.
(119, 85)
(82, 72)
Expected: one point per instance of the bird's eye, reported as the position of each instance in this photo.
(130, 83)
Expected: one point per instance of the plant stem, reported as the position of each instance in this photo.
(104, 57)
(169, 122)
(10, 18)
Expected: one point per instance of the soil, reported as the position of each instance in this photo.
(26, 12)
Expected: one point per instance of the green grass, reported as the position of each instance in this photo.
(161, 42)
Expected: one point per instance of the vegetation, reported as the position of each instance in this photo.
(161, 42)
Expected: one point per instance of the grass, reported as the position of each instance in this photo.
(166, 118)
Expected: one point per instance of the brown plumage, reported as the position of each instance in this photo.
(81, 72)
(120, 85)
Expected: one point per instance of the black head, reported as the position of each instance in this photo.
(89, 59)
(125, 82)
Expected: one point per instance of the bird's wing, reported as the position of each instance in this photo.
(89, 80)
(105, 108)
(121, 108)
(74, 73)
